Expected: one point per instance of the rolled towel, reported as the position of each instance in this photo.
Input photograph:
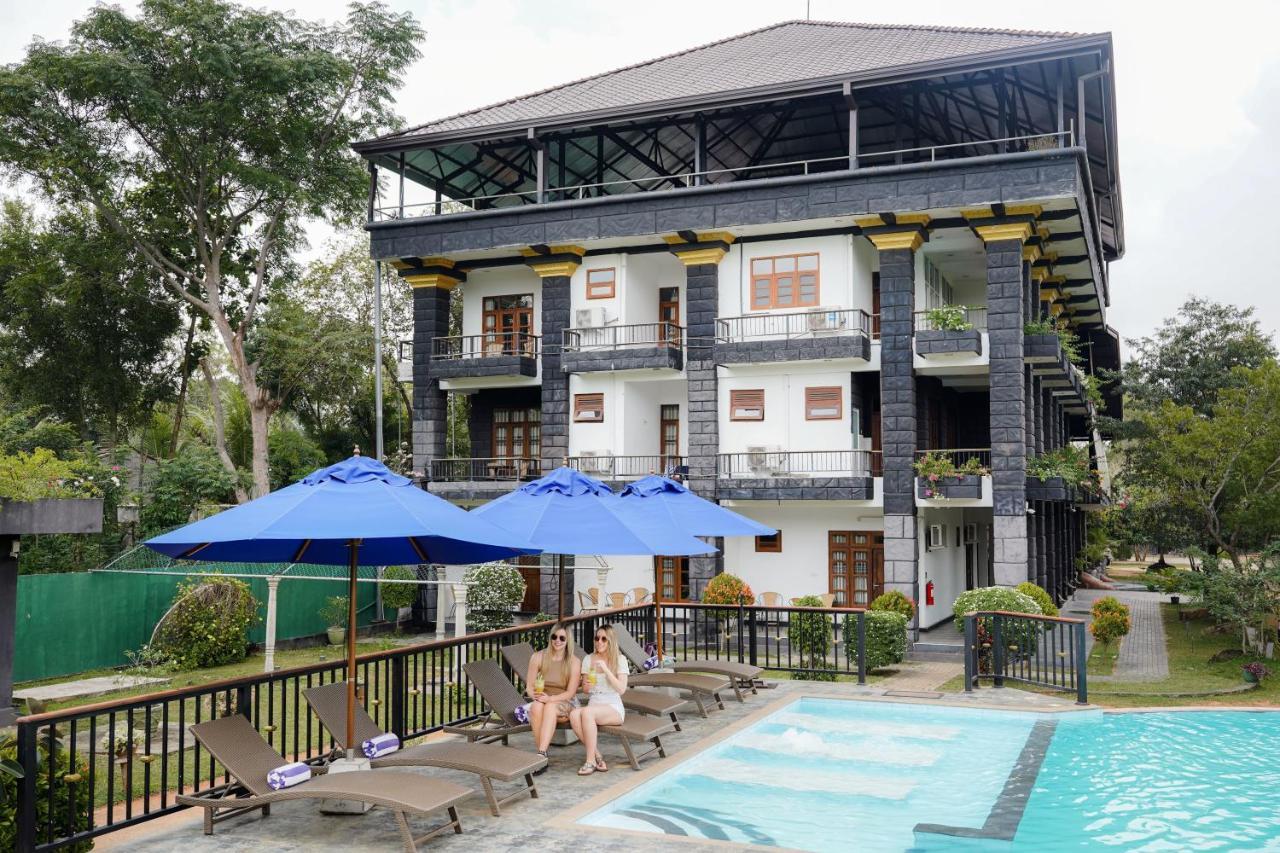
(376, 747)
(288, 775)
(521, 713)
(651, 663)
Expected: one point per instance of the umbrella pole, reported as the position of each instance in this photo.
(354, 545)
(657, 605)
(560, 586)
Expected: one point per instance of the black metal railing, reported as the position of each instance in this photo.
(634, 336)
(800, 463)
(489, 344)
(504, 468)
(629, 467)
(814, 641)
(960, 456)
(975, 316)
(119, 763)
(796, 324)
(1044, 651)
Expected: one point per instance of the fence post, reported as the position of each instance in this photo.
(741, 625)
(1082, 667)
(399, 689)
(970, 651)
(862, 645)
(997, 653)
(242, 702)
(751, 632)
(27, 788)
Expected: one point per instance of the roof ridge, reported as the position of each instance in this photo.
(940, 28)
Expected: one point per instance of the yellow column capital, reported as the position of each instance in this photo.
(555, 261)
(709, 247)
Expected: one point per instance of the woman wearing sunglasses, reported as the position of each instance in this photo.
(552, 684)
(606, 681)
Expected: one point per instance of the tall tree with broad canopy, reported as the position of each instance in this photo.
(204, 133)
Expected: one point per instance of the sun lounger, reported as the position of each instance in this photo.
(638, 699)
(502, 698)
(487, 760)
(235, 744)
(723, 674)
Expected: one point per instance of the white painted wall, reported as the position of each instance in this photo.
(638, 279)
(613, 308)
(499, 281)
(945, 566)
(784, 424)
(632, 409)
(845, 266)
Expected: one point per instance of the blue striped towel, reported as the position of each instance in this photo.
(521, 713)
(384, 744)
(287, 775)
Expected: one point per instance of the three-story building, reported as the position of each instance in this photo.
(784, 267)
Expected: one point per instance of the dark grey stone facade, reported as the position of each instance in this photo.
(485, 365)
(701, 299)
(628, 358)
(430, 424)
(796, 489)
(855, 345)
(555, 382)
(936, 342)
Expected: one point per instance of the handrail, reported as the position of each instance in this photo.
(974, 315)
(663, 333)
(810, 322)
(484, 345)
(1037, 616)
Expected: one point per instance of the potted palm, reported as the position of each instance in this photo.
(334, 614)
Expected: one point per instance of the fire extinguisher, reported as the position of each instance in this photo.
(928, 593)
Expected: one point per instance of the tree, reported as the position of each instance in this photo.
(203, 133)
(84, 324)
(1194, 355)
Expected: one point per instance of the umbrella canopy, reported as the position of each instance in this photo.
(313, 521)
(567, 512)
(672, 505)
(356, 511)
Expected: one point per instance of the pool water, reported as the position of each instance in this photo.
(825, 774)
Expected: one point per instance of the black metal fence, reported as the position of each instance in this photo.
(805, 463)
(1043, 651)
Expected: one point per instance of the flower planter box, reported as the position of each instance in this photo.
(1049, 489)
(934, 343)
(949, 487)
(1042, 349)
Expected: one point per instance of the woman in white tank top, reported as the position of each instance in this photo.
(604, 674)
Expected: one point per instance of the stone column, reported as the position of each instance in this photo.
(555, 266)
(1008, 281)
(432, 281)
(701, 258)
(897, 243)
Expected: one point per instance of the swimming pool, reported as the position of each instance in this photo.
(830, 774)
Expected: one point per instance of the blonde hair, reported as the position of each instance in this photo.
(611, 653)
(566, 665)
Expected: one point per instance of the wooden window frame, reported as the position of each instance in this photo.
(736, 402)
(769, 544)
(681, 565)
(612, 284)
(772, 278)
(587, 403)
(810, 404)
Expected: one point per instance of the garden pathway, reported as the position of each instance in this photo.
(1143, 656)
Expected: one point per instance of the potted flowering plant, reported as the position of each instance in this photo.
(123, 746)
(940, 477)
(1255, 672)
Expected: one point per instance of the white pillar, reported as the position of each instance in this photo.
(442, 605)
(269, 664)
(602, 576)
(460, 618)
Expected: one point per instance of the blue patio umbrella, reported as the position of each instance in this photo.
(567, 512)
(351, 513)
(673, 505)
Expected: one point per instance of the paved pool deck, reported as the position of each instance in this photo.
(546, 822)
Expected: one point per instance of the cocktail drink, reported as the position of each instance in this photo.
(539, 684)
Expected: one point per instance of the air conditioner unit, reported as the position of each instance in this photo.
(589, 318)
(826, 320)
(970, 534)
(595, 462)
(937, 536)
(762, 459)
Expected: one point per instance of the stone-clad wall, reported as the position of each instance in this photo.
(555, 383)
(1006, 283)
(898, 417)
(430, 423)
(629, 358)
(799, 349)
(797, 489)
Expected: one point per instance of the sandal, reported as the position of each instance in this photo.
(600, 766)
(586, 769)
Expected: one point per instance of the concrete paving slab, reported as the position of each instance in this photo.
(85, 687)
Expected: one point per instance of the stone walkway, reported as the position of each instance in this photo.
(84, 687)
(922, 675)
(1142, 656)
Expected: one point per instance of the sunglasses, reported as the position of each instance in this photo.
(560, 638)
(602, 639)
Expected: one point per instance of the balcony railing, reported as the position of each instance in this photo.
(975, 316)
(800, 463)
(503, 468)
(803, 324)
(488, 344)
(635, 336)
(960, 456)
(628, 467)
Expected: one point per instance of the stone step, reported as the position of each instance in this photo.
(936, 652)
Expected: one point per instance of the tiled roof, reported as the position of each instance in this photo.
(789, 52)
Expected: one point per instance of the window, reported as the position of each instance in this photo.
(855, 567)
(508, 324)
(601, 283)
(785, 281)
(517, 435)
(746, 405)
(937, 289)
(823, 403)
(769, 544)
(673, 578)
(588, 408)
(669, 436)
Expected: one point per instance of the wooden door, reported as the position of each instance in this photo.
(669, 312)
(673, 578)
(517, 440)
(856, 566)
(508, 323)
(668, 437)
(530, 569)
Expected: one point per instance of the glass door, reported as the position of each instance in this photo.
(669, 438)
(669, 312)
(508, 323)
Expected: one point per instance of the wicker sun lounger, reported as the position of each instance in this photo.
(487, 760)
(502, 698)
(742, 676)
(235, 744)
(642, 701)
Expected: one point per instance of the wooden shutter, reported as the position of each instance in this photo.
(746, 405)
(588, 408)
(769, 544)
(823, 403)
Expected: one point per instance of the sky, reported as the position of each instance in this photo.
(1198, 96)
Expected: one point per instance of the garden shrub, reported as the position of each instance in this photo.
(894, 602)
(495, 590)
(1109, 627)
(1018, 638)
(208, 624)
(397, 595)
(810, 636)
(540, 638)
(1042, 598)
(886, 638)
(727, 588)
(70, 801)
(1108, 604)
(181, 484)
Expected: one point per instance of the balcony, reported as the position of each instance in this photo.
(967, 483)
(1055, 371)
(640, 346)
(480, 479)
(608, 467)
(941, 337)
(492, 354)
(766, 473)
(824, 333)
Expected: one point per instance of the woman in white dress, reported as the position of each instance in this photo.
(604, 672)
